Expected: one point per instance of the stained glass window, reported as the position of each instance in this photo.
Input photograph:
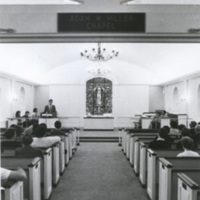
(98, 96)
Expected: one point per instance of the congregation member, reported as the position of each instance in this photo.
(8, 177)
(18, 114)
(167, 137)
(192, 127)
(41, 141)
(160, 143)
(29, 129)
(50, 109)
(187, 144)
(27, 150)
(26, 119)
(185, 132)
(174, 128)
(18, 117)
(35, 114)
(57, 130)
(193, 135)
(19, 131)
(180, 128)
(10, 134)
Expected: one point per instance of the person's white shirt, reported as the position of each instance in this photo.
(45, 142)
(188, 153)
(5, 173)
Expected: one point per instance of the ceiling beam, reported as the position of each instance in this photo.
(100, 37)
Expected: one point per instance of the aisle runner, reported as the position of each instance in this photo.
(99, 171)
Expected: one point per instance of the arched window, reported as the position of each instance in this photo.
(22, 100)
(176, 99)
(98, 96)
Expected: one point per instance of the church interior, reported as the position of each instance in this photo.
(116, 74)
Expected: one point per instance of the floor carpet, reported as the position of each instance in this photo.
(99, 171)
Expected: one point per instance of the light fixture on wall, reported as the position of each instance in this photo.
(99, 54)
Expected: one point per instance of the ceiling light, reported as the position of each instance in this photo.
(99, 54)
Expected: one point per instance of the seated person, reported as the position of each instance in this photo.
(29, 130)
(10, 141)
(184, 132)
(26, 119)
(167, 137)
(41, 141)
(19, 131)
(57, 130)
(18, 116)
(35, 114)
(27, 150)
(187, 144)
(160, 143)
(174, 128)
(8, 177)
(10, 134)
(192, 127)
(155, 124)
(180, 127)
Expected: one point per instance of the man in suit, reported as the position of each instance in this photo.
(50, 109)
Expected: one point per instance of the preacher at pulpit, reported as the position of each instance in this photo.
(50, 109)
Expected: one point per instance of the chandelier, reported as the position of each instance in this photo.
(99, 54)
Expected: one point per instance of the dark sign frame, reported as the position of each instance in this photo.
(101, 22)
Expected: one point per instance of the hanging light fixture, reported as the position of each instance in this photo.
(99, 54)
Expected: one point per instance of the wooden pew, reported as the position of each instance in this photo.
(152, 168)
(47, 173)
(8, 146)
(143, 146)
(133, 140)
(168, 169)
(70, 145)
(137, 151)
(126, 131)
(32, 189)
(14, 192)
(56, 163)
(62, 156)
(127, 137)
(65, 139)
(189, 185)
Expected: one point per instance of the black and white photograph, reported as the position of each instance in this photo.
(100, 99)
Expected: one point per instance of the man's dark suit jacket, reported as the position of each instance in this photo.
(52, 111)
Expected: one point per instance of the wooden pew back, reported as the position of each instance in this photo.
(32, 188)
(168, 169)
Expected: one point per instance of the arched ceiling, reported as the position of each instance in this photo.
(145, 63)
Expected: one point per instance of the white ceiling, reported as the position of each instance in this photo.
(163, 2)
(160, 62)
(58, 2)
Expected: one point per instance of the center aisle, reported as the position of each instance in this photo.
(99, 171)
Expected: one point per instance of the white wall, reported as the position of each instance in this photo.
(70, 100)
(10, 99)
(155, 98)
(42, 97)
(188, 99)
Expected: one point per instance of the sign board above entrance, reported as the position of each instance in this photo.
(101, 22)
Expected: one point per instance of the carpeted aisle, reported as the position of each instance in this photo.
(99, 171)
